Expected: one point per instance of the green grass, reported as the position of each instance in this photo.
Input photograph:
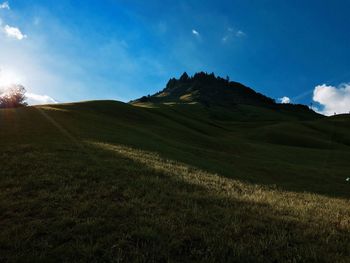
(110, 182)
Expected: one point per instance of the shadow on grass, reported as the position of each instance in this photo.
(289, 168)
(200, 216)
(121, 204)
(183, 213)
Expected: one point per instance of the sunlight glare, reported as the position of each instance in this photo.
(9, 77)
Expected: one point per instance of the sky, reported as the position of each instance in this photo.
(62, 51)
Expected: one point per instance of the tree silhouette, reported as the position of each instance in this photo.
(13, 97)
(184, 77)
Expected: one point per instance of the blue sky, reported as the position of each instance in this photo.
(74, 50)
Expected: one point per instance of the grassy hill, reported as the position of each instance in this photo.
(105, 181)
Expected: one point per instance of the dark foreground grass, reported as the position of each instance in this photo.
(107, 182)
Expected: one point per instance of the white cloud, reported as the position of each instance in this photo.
(285, 100)
(5, 5)
(36, 99)
(14, 32)
(333, 99)
(10, 31)
(195, 32)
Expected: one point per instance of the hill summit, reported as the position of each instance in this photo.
(212, 92)
(209, 90)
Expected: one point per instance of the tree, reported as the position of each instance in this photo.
(184, 77)
(13, 97)
(144, 99)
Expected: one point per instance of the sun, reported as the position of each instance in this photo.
(9, 77)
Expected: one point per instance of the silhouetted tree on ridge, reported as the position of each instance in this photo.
(13, 97)
(184, 77)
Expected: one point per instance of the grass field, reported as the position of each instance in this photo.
(106, 181)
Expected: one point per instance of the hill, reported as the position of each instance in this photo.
(105, 181)
(212, 91)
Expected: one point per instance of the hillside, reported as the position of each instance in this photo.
(105, 181)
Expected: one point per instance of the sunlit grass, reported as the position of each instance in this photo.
(51, 108)
(304, 207)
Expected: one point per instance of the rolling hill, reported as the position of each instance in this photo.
(194, 173)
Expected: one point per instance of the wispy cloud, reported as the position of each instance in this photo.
(333, 99)
(231, 34)
(225, 39)
(5, 5)
(240, 33)
(14, 32)
(285, 100)
(195, 32)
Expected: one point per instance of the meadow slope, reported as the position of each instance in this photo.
(105, 181)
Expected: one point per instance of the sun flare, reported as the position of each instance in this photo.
(9, 77)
